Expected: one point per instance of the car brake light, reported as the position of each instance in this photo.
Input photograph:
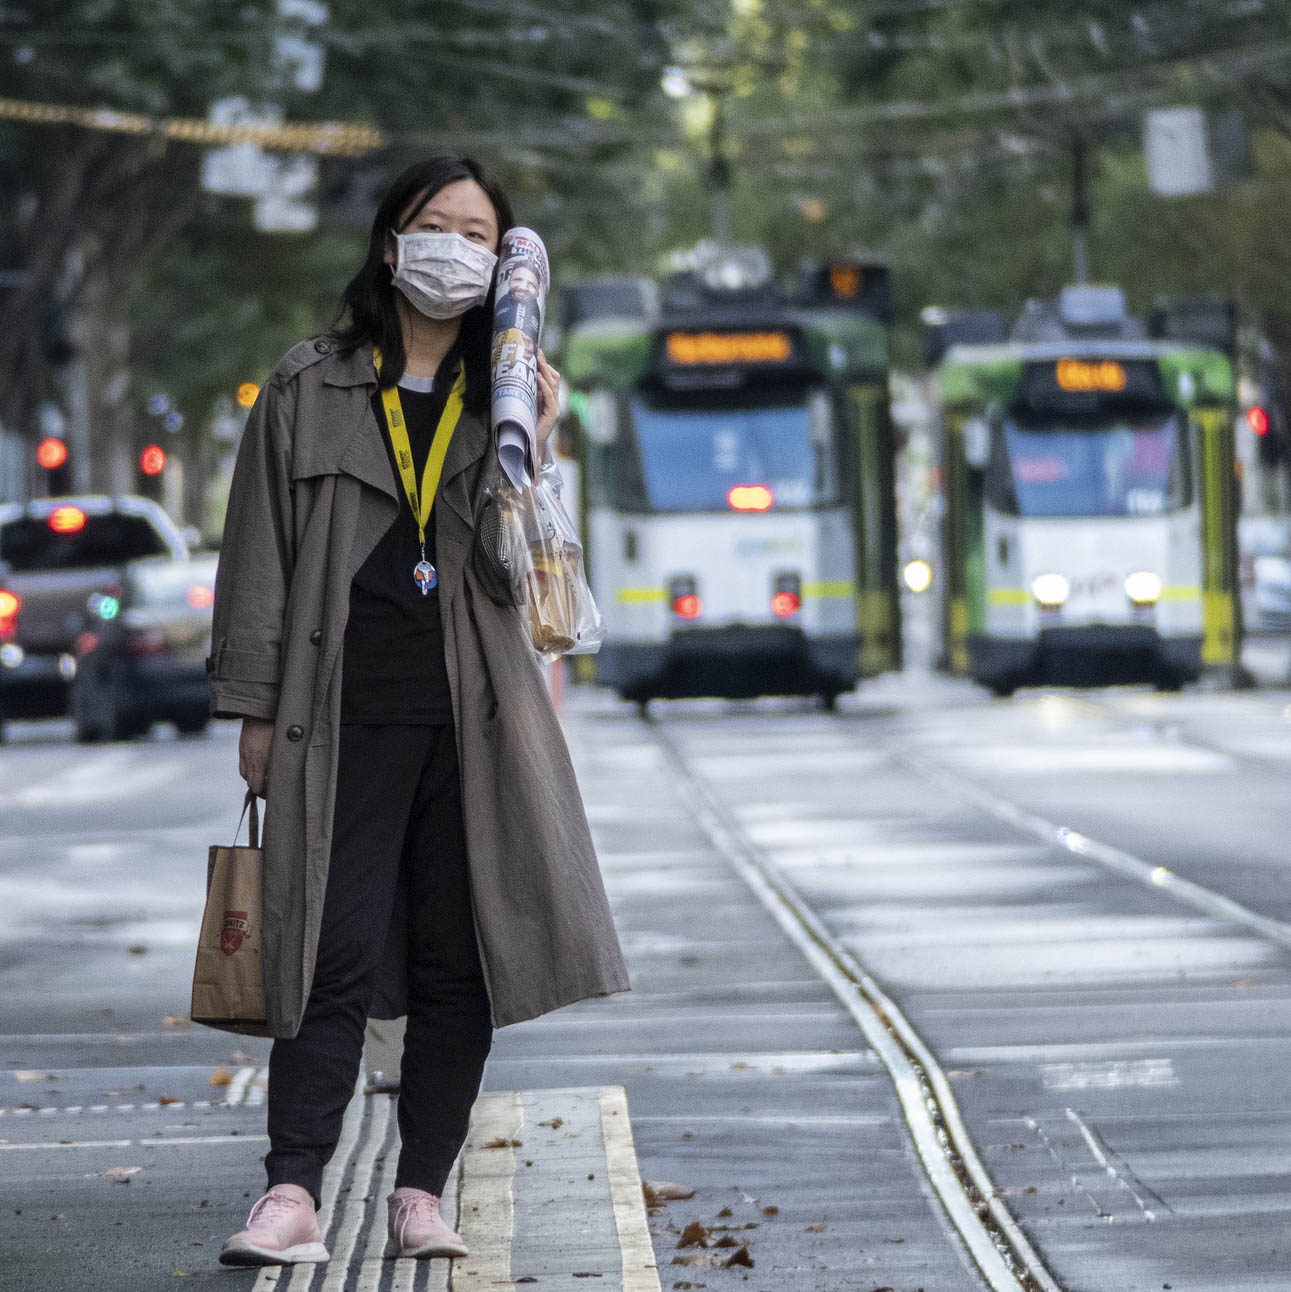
(200, 596)
(750, 497)
(67, 520)
(10, 603)
(85, 643)
(784, 604)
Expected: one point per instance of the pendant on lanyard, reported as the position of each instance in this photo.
(422, 499)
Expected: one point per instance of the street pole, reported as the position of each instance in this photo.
(1079, 212)
(719, 172)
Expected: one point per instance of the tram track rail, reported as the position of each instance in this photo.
(994, 1240)
(1065, 838)
(1171, 732)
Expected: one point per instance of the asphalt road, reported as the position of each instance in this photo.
(1116, 1046)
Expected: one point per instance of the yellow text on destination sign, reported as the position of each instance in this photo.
(692, 348)
(1079, 375)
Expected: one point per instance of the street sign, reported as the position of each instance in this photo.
(1178, 152)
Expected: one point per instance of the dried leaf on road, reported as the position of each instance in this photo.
(740, 1257)
(556, 1123)
(669, 1192)
(770, 1211)
(727, 1241)
(695, 1258)
(166, 1100)
(500, 1142)
(696, 1234)
(221, 1077)
(726, 1211)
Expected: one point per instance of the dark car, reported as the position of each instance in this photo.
(57, 554)
(142, 656)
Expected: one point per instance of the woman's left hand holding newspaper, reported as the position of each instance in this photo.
(548, 400)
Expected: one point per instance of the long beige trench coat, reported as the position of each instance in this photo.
(312, 494)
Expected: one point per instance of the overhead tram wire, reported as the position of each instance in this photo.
(351, 139)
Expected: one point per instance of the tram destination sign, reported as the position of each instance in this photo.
(1077, 380)
(697, 349)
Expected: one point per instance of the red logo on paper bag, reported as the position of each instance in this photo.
(236, 927)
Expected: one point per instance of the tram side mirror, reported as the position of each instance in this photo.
(977, 443)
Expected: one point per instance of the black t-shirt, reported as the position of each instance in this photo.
(393, 669)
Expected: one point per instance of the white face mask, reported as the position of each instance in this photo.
(443, 274)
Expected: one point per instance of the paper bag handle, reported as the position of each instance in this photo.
(251, 804)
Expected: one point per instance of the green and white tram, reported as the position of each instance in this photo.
(738, 484)
(1089, 523)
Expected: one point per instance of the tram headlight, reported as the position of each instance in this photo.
(917, 575)
(1050, 590)
(1143, 588)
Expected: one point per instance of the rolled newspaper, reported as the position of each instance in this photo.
(519, 305)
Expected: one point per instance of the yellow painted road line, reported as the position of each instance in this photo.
(302, 1275)
(356, 1206)
(486, 1208)
(641, 596)
(640, 1273)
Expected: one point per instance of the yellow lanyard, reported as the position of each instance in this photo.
(423, 499)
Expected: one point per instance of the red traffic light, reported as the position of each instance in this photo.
(152, 461)
(1258, 420)
(51, 453)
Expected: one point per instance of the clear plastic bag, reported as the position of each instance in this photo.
(541, 551)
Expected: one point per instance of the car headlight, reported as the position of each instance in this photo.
(1050, 590)
(1143, 588)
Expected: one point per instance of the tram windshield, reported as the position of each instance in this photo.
(693, 454)
(1126, 466)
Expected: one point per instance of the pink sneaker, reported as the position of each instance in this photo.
(282, 1229)
(417, 1229)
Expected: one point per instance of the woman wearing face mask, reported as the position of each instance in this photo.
(426, 851)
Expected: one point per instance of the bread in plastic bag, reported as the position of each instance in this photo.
(541, 552)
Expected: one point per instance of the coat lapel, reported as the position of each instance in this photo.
(364, 453)
(469, 442)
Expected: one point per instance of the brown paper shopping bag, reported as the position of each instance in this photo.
(228, 980)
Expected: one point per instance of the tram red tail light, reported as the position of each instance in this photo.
(1257, 419)
(683, 596)
(786, 596)
(750, 497)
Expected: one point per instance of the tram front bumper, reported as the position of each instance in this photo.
(1089, 655)
(735, 662)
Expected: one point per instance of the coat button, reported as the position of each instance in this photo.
(295, 733)
(323, 347)
(316, 637)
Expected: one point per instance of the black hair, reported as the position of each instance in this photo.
(369, 300)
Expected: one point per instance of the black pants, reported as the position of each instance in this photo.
(397, 835)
